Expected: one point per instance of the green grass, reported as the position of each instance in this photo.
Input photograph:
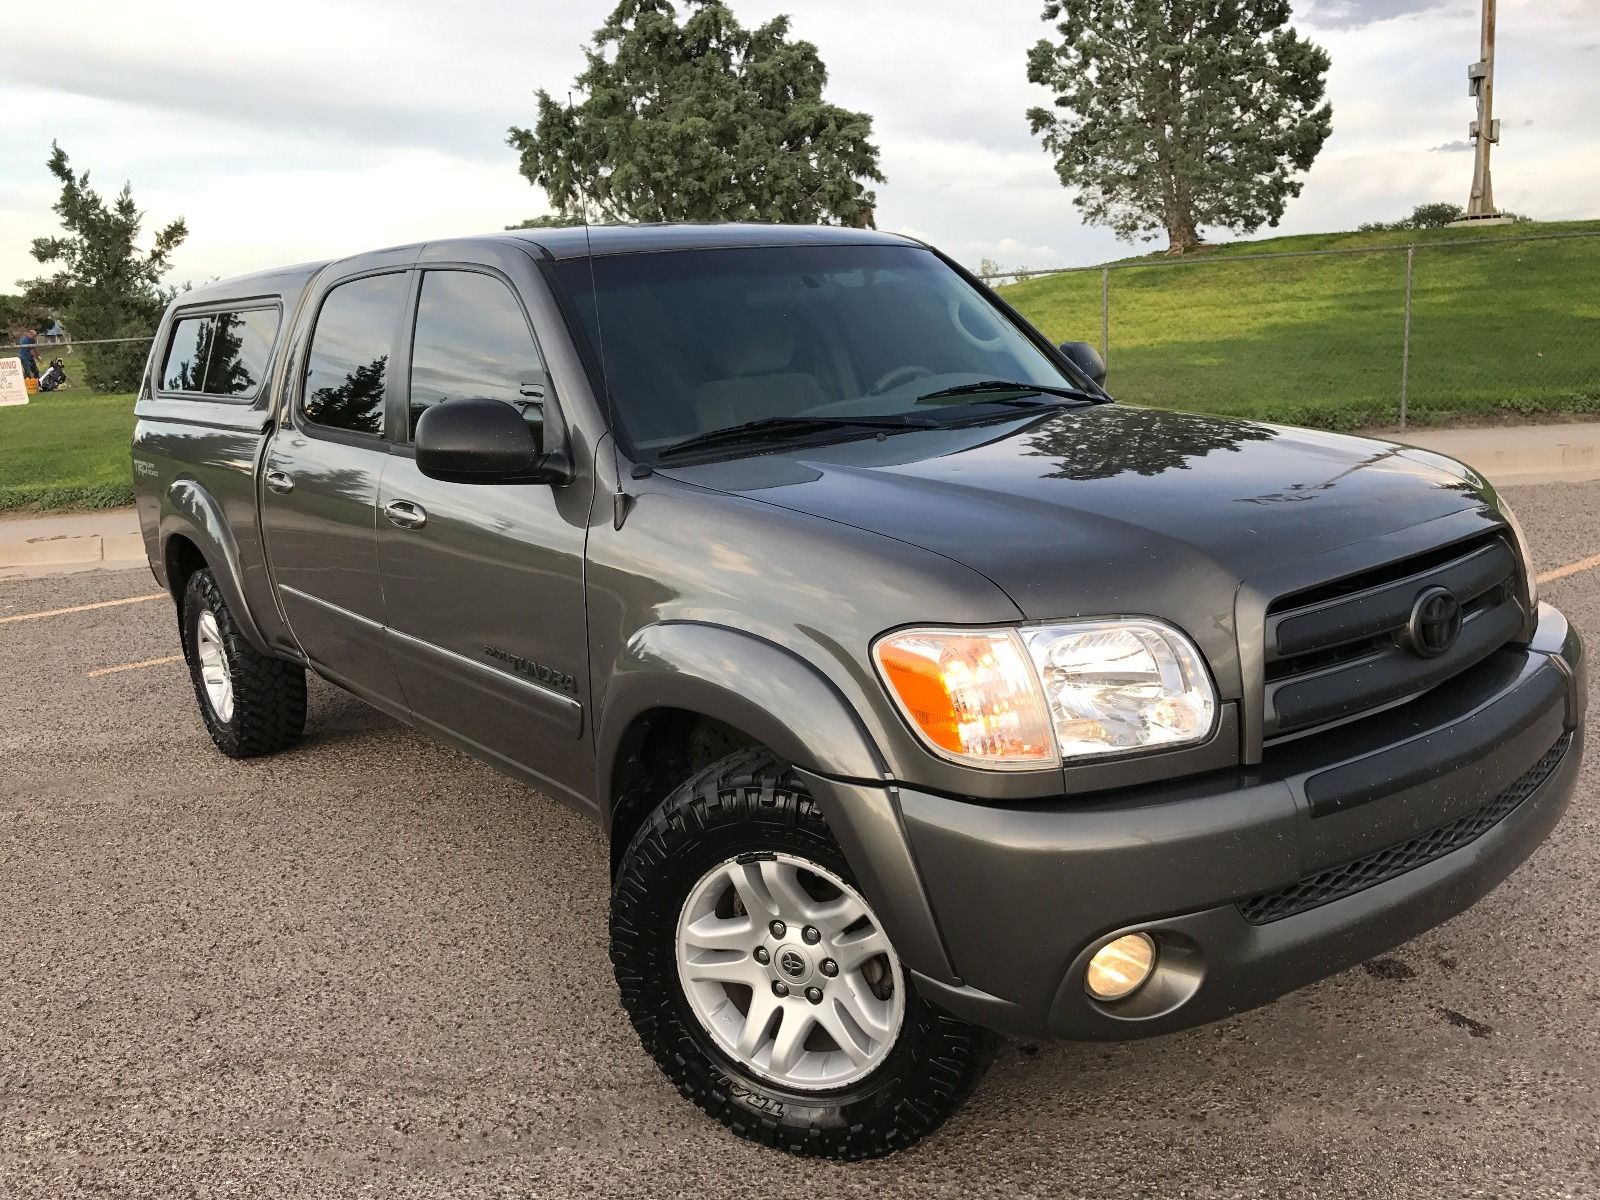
(1499, 332)
(66, 450)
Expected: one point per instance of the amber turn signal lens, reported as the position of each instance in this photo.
(972, 695)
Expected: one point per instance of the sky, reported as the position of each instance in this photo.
(311, 129)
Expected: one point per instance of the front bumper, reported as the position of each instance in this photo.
(1255, 881)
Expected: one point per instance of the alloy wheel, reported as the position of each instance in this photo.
(214, 666)
(785, 965)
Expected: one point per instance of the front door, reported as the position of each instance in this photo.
(320, 486)
(483, 584)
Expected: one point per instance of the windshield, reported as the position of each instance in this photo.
(700, 340)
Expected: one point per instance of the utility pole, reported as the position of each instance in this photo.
(1485, 131)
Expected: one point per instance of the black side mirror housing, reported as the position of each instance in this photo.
(1087, 359)
(484, 441)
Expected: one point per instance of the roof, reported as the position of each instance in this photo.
(278, 281)
(574, 241)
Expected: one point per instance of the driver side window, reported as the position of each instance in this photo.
(472, 340)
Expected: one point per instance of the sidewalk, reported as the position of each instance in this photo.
(44, 544)
(1515, 454)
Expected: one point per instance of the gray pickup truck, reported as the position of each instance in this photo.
(922, 691)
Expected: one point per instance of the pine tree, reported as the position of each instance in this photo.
(701, 120)
(103, 286)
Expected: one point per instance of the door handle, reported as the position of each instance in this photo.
(405, 514)
(279, 482)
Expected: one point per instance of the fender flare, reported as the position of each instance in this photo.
(194, 513)
(784, 702)
(742, 680)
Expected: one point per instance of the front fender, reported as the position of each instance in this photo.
(785, 703)
(743, 681)
(194, 513)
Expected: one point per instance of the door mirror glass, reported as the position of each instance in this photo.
(1087, 359)
(480, 440)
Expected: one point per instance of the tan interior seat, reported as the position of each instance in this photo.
(757, 360)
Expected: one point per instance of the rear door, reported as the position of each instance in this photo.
(321, 476)
(483, 584)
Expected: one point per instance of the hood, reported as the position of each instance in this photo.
(1115, 509)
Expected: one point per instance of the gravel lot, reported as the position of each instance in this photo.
(373, 966)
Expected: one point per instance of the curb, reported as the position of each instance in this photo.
(66, 550)
(1518, 454)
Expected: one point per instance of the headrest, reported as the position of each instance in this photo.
(760, 345)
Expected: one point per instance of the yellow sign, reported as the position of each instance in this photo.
(12, 388)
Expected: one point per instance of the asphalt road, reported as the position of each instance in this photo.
(373, 966)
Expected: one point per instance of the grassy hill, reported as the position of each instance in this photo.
(1499, 331)
(66, 450)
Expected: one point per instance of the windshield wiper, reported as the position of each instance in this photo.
(983, 386)
(776, 429)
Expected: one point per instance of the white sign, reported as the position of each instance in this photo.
(12, 389)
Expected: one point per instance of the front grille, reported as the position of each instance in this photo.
(1337, 651)
(1349, 878)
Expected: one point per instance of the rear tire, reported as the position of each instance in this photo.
(911, 1067)
(252, 704)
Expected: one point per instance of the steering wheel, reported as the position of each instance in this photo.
(897, 376)
(982, 343)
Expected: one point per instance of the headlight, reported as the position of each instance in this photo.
(971, 694)
(1121, 685)
(1522, 548)
(1029, 697)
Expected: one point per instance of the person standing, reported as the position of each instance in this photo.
(25, 345)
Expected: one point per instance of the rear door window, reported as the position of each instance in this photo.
(347, 370)
(222, 354)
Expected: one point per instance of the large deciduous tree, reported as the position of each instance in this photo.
(1176, 115)
(103, 286)
(700, 120)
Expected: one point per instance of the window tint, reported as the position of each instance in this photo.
(699, 340)
(186, 357)
(223, 354)
(240, 345)
(472, 341)
(349, 360)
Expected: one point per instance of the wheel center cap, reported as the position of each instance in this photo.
(793, 964)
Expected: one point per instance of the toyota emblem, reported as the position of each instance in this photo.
(1435, 623)
(792, 963)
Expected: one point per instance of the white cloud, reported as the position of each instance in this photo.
(324, 127)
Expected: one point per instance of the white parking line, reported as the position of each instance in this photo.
(138, 666)
(77, 608)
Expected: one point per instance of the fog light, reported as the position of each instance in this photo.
(1120, 968)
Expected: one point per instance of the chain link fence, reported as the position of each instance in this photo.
(1451, 330)
(1471, 329)
(116, 358)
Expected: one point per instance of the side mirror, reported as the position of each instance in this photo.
(1087, 359)
(484, 441)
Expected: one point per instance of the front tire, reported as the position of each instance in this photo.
(759, 978)
(252, 704)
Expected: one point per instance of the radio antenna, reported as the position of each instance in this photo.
(619, 498)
